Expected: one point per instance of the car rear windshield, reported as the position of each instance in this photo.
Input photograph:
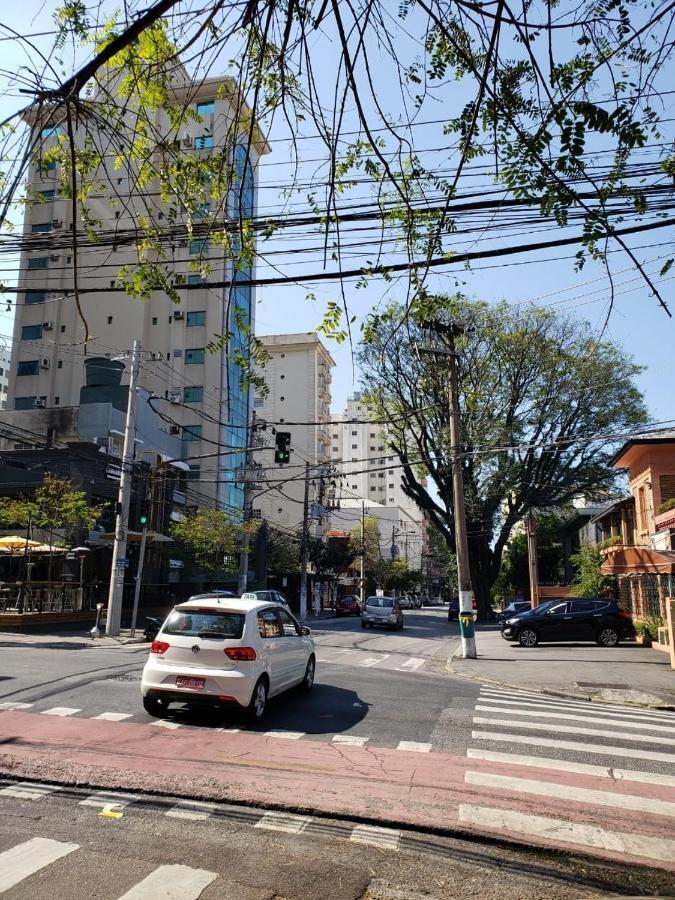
(380, 601)
(205, 623)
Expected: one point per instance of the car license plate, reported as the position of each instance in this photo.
(183, 681)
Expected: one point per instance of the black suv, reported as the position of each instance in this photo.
(513, 609)
(575, 619)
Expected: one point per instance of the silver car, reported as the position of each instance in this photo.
(382, 611)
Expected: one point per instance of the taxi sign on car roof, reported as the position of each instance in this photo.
(248, 595)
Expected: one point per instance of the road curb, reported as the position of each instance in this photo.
(561, 693)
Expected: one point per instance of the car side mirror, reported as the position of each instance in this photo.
(306, 630)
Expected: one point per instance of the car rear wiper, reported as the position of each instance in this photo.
(212, 634)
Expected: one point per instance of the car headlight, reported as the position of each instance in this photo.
(510, 621)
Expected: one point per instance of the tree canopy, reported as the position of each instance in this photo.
(543, 401)
(208, 539)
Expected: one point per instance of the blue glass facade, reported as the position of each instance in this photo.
(238, 298)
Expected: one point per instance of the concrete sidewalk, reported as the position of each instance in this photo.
(625, 674)
(77, 639)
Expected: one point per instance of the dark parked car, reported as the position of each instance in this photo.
(347, 606)
(577, 619)
(453, 609)
(513, 609)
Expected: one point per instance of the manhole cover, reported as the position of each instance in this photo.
(586, 685)
(126, 676)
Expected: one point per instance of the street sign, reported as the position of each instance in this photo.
(123, 563)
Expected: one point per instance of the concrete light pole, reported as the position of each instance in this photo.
(304, 548)
(119, 556)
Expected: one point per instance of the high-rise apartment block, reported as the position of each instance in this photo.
(191, 348)
(298, 378)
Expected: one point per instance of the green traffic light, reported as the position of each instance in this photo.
(144, 520)
(282, 456)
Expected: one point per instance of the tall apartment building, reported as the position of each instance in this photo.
(370, 473)
(367, 464)
(202, 398)
(298, 379)
(5, 362)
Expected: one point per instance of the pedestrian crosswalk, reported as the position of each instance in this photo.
(370, 658)
(572, 773)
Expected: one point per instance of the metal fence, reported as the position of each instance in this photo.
(645, 594)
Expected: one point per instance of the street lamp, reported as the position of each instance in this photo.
(81, 553)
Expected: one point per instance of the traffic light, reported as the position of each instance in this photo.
(144, 517)
(282, 454)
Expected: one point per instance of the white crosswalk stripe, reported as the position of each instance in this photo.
(26, 859)
(351, 740)
(578, 732)
(384, 838)
(61, 711)
(29, 790)
(113, 716)
(193, 810)
(112, 800)
(174, 882)
(286, 822)
(167, 723)
(288, 735)
(371, 661)
(414, 746)
(13, 704)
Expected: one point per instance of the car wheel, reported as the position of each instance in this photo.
(527, 637)
(608, 637)
(155, 707)
(364, 625)
(256, 708)
(310, 672)
(400, 624)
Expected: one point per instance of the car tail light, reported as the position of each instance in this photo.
(225, 698)
(624, 614)
(159, 647)
(246, 654)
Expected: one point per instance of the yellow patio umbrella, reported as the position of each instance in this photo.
(34, 547)
(14, 542)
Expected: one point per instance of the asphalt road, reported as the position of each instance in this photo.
(66, 844)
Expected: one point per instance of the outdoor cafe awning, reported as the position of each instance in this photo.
(638, 560)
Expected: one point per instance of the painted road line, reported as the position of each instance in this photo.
(561, 832)
(579, 746)
(413, 664)
(570, 792)
(580, 703)
(110, 801)
(352, 740)
(414, 746)
(595, 709)
(13, 704)
(372, 660)
(279, 821)
(176, 882)
(571, 729)
(563, 765)
(28, 858)
(575, 717)
(384, 838)
(194, 810)
(60, 711)
(228, 730)
(29, 790)
(167, 723)
(113, 716)
(288, 735)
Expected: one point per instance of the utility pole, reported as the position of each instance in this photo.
(362, 585)
(304, 547)
(119, 555)
(466, 622)
(532, 566)
(243, 553)
(145, 516)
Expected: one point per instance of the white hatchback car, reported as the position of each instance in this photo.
(219, 651)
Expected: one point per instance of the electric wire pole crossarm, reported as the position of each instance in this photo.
(466, 622)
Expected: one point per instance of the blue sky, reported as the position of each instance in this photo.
(637, 322)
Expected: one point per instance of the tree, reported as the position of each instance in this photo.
(400, 578)
(210, 539)
(370, 546)
(543, 401)
(514, 576)
(336, 558)
(283, 553)
(589, 580)
(53, 507)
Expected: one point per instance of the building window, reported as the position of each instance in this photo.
(42, 228)
(59, 364)
(38, 262)
(642, 504)
(354, 433)
(207, 108)
(196, 279)
(193, 394)
(282, 377)
(177, 354)
(354, 487)
(192, 432)
(282, 398)
(354, 446)
(195, 318)
(194, 356)
(391, 487)
(24, 402)
(197, 248)
(110, 319)
(194, 473)
(35, 297)
(47, 195)
(202, 211)
(258, 402)
(48, 166)
(31, 332)
(57, 400)
(51, 131)
(28, 367)
(63, 329)
(154, 320)
(204, 142)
